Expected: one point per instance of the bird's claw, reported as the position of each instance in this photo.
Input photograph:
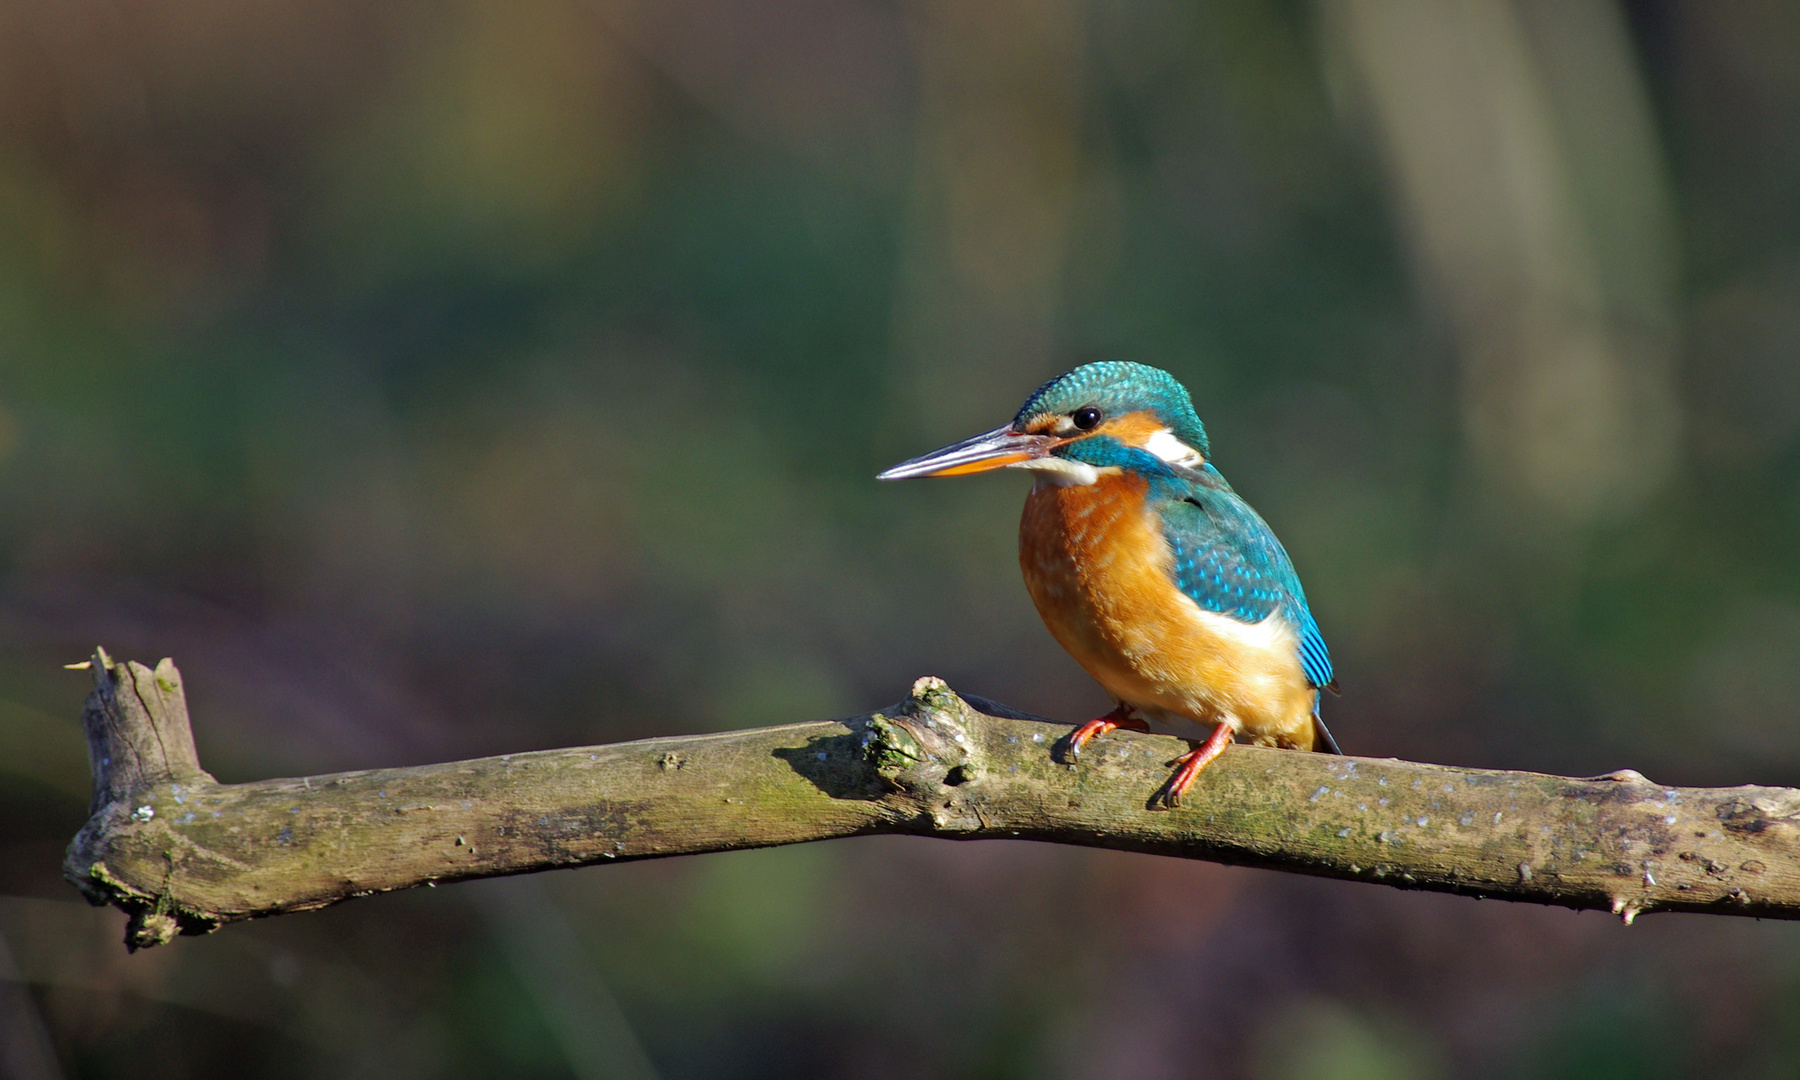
(1093, 729)
(1188, 767)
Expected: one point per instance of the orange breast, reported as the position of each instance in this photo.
(1099, 571)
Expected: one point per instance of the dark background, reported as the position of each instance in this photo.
(435, 379)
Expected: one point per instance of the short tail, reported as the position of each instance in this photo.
(1322, 740)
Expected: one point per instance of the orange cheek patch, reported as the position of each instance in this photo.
(1132, 429)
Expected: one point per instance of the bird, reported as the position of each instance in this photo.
(1157, 577)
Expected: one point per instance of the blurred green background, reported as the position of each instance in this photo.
(453, 378)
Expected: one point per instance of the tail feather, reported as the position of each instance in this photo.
(1322, 740)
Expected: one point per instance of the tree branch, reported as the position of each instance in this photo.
(183, 853)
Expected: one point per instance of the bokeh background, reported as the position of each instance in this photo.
(435, 379)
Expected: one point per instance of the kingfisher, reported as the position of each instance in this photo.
(1151, 571)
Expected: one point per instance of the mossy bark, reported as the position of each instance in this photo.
(182, 853)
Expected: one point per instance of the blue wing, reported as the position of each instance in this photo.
(1315, 658)
(1228, 561)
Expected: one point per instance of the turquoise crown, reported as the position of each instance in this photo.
(1117, 387)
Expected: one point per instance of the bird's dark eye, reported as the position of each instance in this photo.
(1085, 417)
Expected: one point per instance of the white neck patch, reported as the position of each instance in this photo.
(1165, 445)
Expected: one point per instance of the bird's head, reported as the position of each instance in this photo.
(1077, 425)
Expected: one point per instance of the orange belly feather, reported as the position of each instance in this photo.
(1101, 575)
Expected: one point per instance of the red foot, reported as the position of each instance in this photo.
(1193, 761)
(1119, 718)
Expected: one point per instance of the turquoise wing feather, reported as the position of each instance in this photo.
(1228, 561)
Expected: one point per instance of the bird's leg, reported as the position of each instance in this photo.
(1190, 763)
(1119, 718)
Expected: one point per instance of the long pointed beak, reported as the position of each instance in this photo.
(994, 450)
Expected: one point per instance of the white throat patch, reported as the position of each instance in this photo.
(1060, 472)
(1165, 445)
